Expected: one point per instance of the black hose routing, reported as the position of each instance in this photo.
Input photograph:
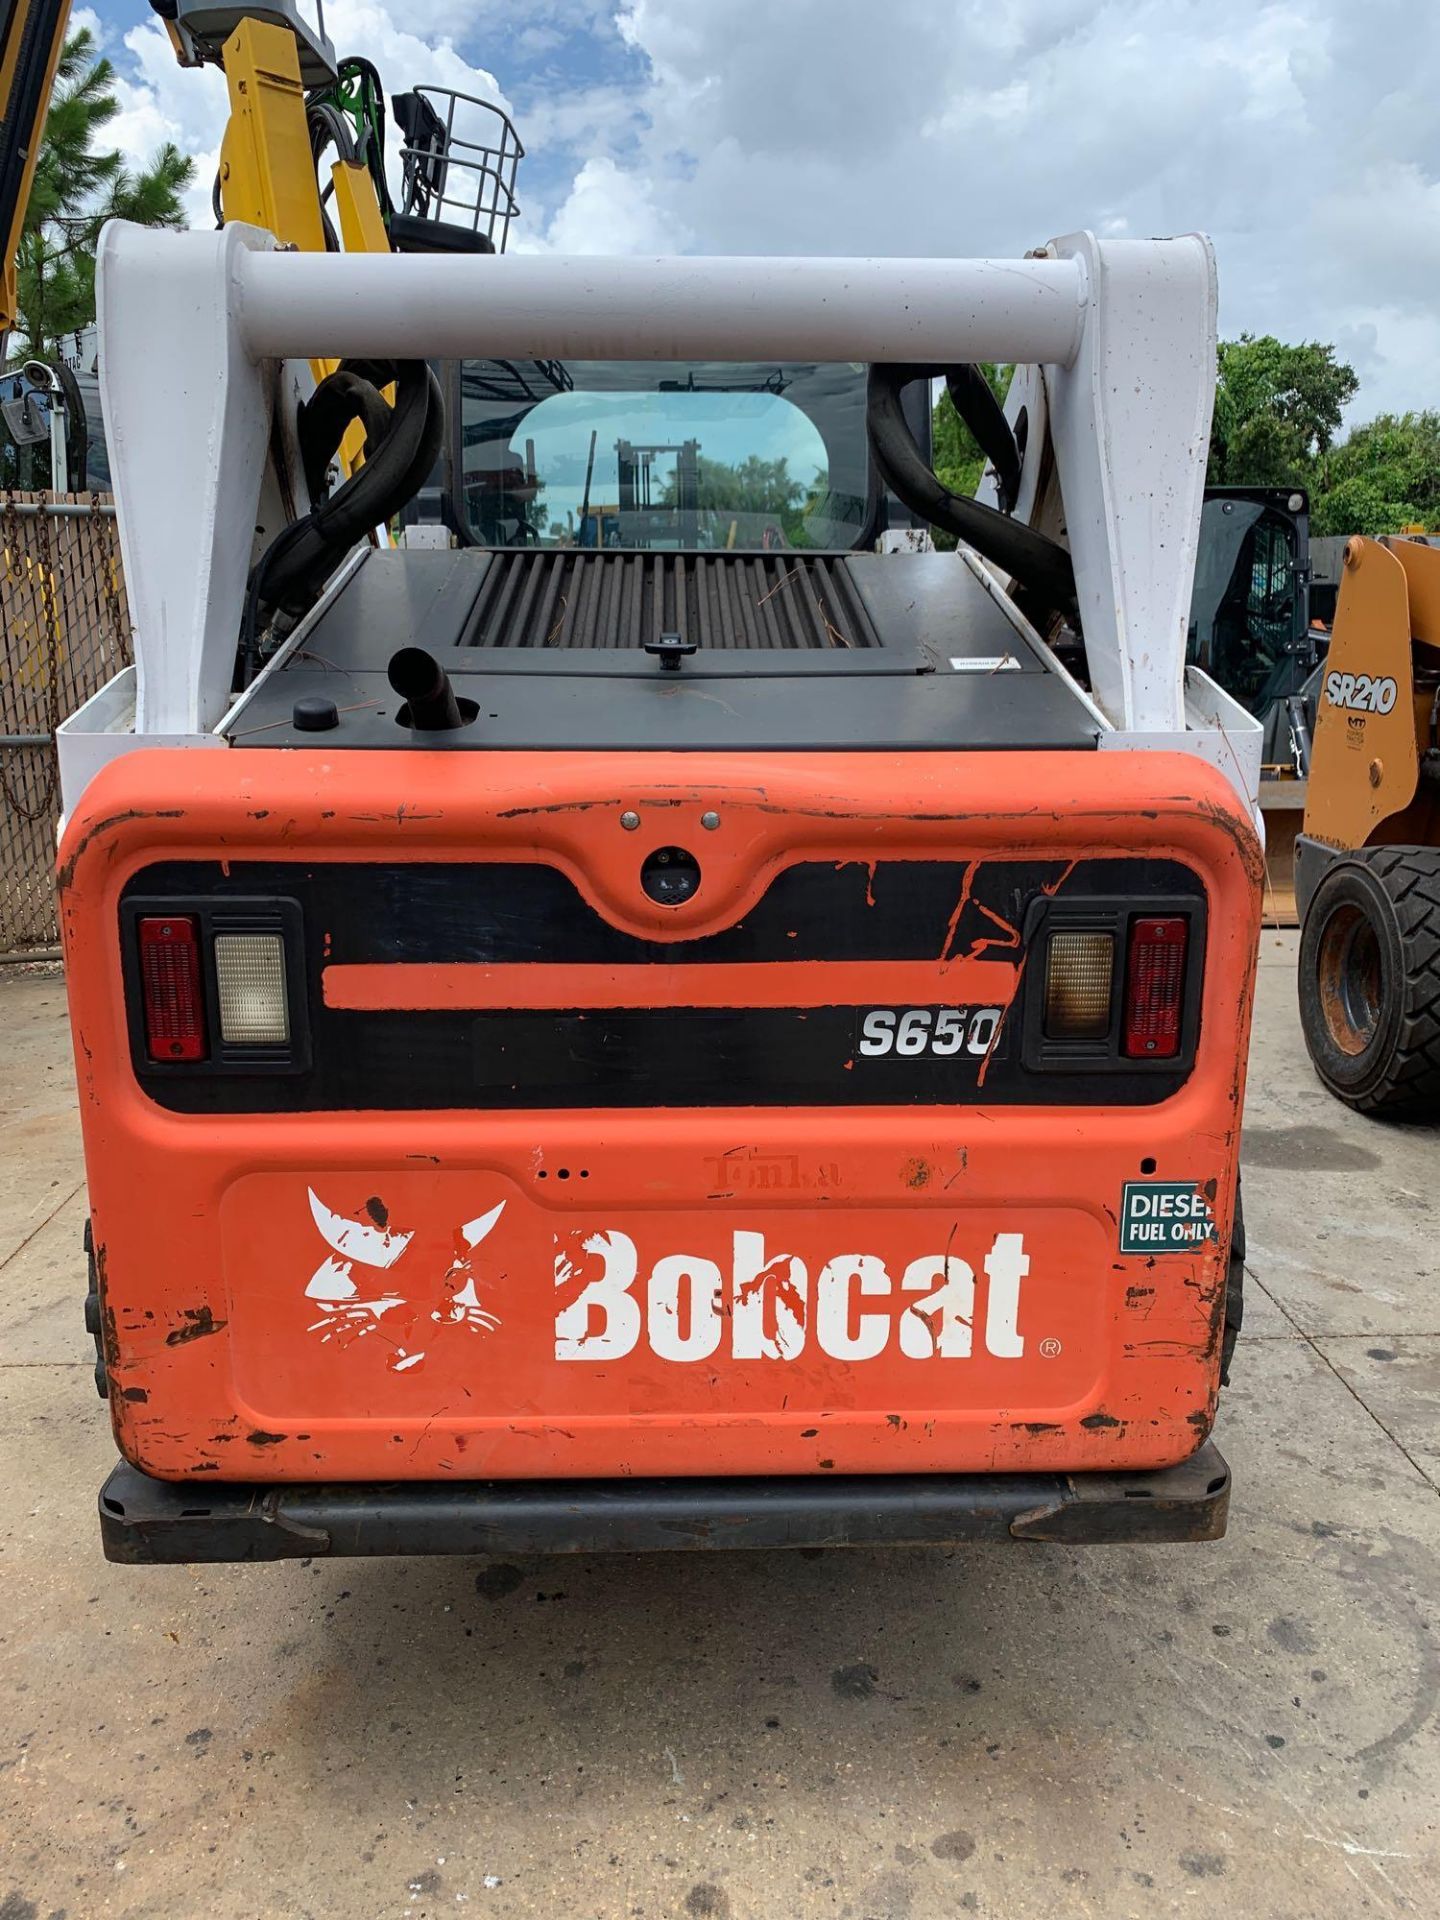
(1039, 565)
(402, 444)
(972, 399)
(348, 395)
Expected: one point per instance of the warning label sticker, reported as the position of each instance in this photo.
(1164, 1216)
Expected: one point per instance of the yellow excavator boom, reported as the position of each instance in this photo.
(267, 169)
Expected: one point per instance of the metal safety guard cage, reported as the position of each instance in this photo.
(450, 180)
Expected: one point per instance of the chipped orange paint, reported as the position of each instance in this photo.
(222, 1305)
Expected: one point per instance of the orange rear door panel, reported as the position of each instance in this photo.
(593, 1288)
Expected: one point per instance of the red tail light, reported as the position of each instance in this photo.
(1155, 988)
(170, 984)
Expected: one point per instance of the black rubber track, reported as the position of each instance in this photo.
(1398, 1075)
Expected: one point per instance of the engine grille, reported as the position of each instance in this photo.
(570, 598)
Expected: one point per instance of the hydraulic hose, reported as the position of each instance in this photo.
(328, 127)
(1040, 565)
(982, 413)
(352, 393)
(400, 453)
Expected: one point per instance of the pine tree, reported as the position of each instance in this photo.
(78, 187)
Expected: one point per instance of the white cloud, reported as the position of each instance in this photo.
(610, 210)
(1386, 228)
(406, 57)
(160, 100)
(1300, 133)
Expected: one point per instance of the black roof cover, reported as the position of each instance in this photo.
(794, 650)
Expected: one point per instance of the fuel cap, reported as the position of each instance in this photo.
(314, 713)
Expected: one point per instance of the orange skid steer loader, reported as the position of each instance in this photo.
(731, 1038)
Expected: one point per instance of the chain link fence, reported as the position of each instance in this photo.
(64, 631)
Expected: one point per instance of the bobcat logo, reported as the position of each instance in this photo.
(353, 1309)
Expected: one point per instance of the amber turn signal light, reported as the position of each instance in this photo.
(1079, 968)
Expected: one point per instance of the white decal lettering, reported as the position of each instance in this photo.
(983, 1029)
(835, 1290)
(939, 1325)
(606, 1293)
(878, 1031)
(1006, 1265)
(913, 1034)
(771, 1297)
(1361, 693)
(937, 1033)
(684, 1288)
(949, 1032)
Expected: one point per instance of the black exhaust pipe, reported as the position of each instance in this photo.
(424, 686)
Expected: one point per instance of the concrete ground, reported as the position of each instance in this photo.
(1244, 1730)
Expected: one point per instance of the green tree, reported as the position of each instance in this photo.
(958, 461)
(1384, 476)
(1277, 411)
(1361, 504)
(765, 489)
(78, 186)
(956, 456)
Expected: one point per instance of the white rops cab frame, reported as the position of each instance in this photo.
(1114, 340)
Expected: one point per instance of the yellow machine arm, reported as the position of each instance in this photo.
(33, 35)
(267, 169)
(267, 173)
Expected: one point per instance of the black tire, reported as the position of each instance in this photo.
(1370, 981)
(1234, 1290)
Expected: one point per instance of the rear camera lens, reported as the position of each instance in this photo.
(670, 876)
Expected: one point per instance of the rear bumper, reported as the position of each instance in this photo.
(150, 1522)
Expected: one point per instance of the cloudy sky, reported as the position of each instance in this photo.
(1303, 135)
